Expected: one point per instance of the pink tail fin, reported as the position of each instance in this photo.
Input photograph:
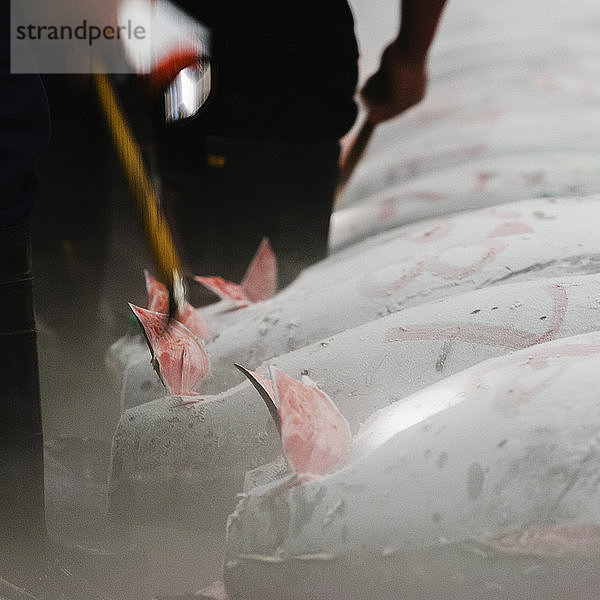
(158, 296)
(158, 301)
(194, 321)
(259, 283)
(260, 280)
(314, 434)
(177, 354)
(226, 290)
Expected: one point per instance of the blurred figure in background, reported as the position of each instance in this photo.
(71, 221)
(261, 157)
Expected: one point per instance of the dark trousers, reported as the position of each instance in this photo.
(22, 525)
(245, 191)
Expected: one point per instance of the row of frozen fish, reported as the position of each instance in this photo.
(195, 455)
(449, 346)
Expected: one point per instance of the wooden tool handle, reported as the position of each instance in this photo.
(354, 154)
(156, 228)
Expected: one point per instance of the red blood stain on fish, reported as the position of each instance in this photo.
(560, 304)
(551, 360)
(435, 233)
(511, 228)
(491, 335)
(387, 210)
(482, 182)
(450, 272)
(314, 434)
(474, 150)
(177, 354)
(372, 287)
(427, 196)
(413, 165)
(533, 177)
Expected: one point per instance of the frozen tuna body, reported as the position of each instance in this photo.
(129, 349)
(492, 493)
(362, 370)
(177, 462)
(400, 268)
(516, 66)
(445, 147)
(407, 267)
(472, 185)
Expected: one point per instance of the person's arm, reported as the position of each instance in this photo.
(401, 79)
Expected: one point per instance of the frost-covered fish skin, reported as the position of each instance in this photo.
(443, 148)
(409, 266)
(490, 493)
(398, 269)
(174, 461)
(472, 185)
(362, 370)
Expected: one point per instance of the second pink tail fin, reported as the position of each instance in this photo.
(177, 354)
(260, 280)
(314, 433)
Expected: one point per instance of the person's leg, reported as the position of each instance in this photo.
(299, 193)
(28, 568)
(248, 190)
(212, 212)
(22, 524)
(71, 223)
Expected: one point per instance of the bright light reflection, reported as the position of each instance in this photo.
(397, 417)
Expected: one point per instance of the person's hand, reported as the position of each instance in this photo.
(399, 84)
